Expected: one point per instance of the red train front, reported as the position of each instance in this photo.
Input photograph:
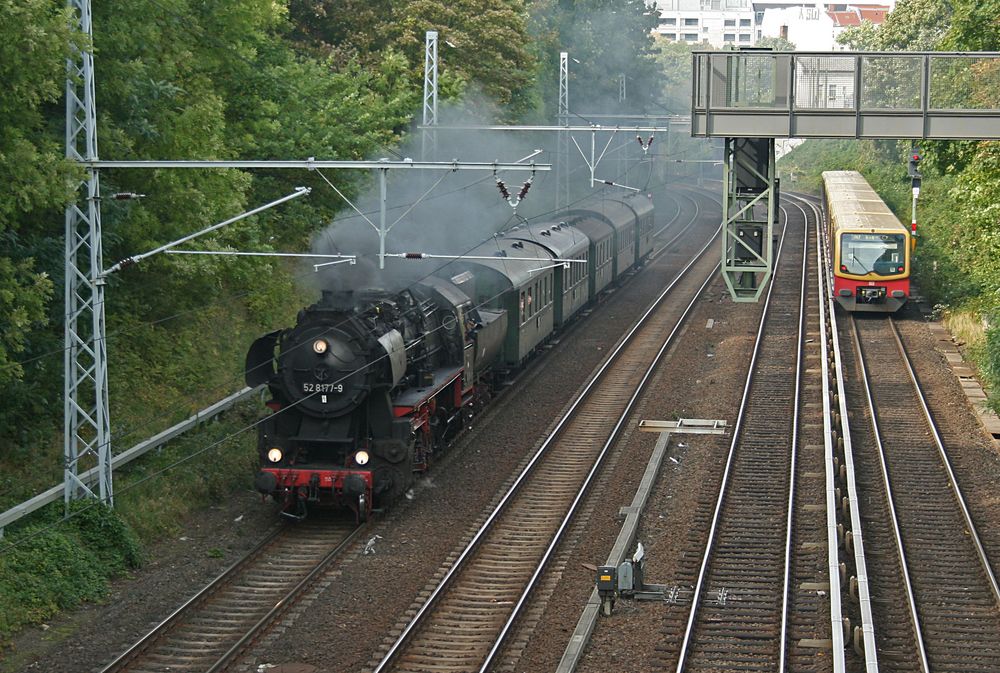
(870, 248)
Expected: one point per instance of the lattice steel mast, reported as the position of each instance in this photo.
(86, 419)
(562, 178)
(430, 119)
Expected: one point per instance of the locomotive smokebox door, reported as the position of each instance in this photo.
(607, 588)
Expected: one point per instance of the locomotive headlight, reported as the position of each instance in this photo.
(274, 455)
(319, 346)
(361, 457)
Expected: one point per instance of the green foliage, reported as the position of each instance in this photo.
(52, 566)
(584, 28)
(673, 60)
(975, 26)
(914, 25)
(34, 42)
(990, 362)
(23, 294)
(776, 43)
(482, 44)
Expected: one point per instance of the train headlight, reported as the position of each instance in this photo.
(319, 346)
(274, 455)
(361, 457)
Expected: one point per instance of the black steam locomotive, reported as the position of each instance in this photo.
(369, 384)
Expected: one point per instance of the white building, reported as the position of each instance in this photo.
(720, 23)
(812, 25)
(815, 26)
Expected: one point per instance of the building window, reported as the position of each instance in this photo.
(729, 37)
(831, 93)
(759, 34)
(730, 23)
(691, 37)
(759, 18)
(704, 29)
(690, 22)
(744, 23)
(670, 21)
(744, 37)
(670, 36)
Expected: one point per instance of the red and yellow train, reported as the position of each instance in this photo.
(870, 247)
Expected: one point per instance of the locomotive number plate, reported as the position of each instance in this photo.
(322, 387)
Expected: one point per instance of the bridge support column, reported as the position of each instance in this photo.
(749, 209)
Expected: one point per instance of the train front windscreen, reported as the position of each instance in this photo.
(882, 254)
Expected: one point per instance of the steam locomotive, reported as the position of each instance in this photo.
(370, 384)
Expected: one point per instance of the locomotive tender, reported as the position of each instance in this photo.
(369, 385)
(870, 248)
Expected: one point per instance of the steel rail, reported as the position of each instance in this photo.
(123, 661)
(854, 503)
(832, 538)
(684, 229)
(699, 582)
(135, 650)
(795, 441)
(946, 462)
(425, 609)
(891, 502)
(287, 601)
(612, 439)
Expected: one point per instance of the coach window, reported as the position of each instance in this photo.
(522, 306)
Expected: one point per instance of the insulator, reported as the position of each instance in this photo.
(503, 189)
(125, 196)
(650, 141)
(524, 190)
(639, 138)
(414, 255)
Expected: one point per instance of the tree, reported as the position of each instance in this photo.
(34, 39)
(776, 43)
(607, 40)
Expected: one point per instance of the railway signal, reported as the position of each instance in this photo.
(914, 164)
(915, 179)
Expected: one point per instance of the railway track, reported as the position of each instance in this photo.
(215, 626)
(463, 624)
(226, 618)
(737, 615)
(936, 600)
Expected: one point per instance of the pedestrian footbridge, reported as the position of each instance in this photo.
(754, 93)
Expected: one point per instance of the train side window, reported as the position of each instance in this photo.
(522, 306)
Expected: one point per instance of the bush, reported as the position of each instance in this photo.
(48, 568)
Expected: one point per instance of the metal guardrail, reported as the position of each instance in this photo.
(758, 93)
(90, 476)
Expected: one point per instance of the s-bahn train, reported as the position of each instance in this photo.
(870, 248)
(370, 384)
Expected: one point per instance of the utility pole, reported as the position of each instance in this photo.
(87, 432)
(429, 137)
(562, 149)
